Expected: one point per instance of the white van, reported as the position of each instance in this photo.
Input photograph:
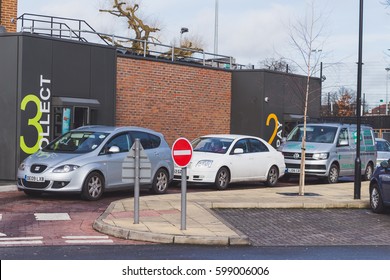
(330, 151)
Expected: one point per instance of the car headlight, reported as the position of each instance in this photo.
(22, 166)
(66, 168)
(204, 163)
(320, 156)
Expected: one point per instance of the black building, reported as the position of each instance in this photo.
(48, 86)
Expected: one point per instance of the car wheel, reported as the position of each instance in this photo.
(368, 173)
(32, 193)
(93, 186)
(160, 182)
(333, 176)
(272, 177)
(222, 179)
(376, 201)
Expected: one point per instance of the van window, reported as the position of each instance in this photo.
(343, 137)
(314, 134)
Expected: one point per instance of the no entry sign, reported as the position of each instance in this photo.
(182, 152)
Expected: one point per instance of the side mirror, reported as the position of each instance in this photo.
(238, 151)
(385, 164)
(284, 139)
(113, 150)
(343, 142)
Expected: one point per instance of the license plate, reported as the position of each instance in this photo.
(293, 170)
(34, 178)
(177, 171)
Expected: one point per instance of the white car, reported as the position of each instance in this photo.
(225, 158)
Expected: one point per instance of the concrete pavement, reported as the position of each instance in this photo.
(160, 215)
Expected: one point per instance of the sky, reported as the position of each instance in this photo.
(254, 30)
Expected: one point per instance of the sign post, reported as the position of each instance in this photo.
(137, 170)
(182, 154)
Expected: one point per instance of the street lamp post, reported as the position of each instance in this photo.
(182, 30)
(387, 90)
(216, 28)
(358, 164)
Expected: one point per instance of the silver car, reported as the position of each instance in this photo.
(89, 160)
(383, 150)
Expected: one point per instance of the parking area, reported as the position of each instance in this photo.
(310, 227)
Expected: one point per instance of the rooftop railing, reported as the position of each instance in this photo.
(80, 30)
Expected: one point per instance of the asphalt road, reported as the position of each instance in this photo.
(188, 252)
(26, 233)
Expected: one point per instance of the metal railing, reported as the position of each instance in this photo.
(59, 27)
(73, 29)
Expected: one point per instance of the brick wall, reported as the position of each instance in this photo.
(177, 100)
(8, 12)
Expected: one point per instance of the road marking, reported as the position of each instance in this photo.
(21, 240)
(87, 239)
(28, 242)
(52, 216)
(181, 152)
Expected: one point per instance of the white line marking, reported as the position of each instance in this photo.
(20, 242)
(181, 152)
(52, 216)
(86, 237)
(89, 241)
(21, 238)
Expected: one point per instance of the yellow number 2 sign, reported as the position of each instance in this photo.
(277, 129)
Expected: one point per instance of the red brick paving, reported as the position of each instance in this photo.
(18, 218)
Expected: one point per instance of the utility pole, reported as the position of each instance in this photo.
(216, 28)
(387, 90)
(358, 164)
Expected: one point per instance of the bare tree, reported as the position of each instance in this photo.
(329, 100)
(304, 36)
(273, 64)
(143, 32)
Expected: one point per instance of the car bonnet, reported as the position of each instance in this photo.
(53, 159)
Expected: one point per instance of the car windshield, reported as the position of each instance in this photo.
(212, 144)
(76, 142)
(383, 146)
(314, 134)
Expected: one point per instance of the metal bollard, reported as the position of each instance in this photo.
(136, 180)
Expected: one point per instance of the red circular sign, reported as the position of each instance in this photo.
(182, 152)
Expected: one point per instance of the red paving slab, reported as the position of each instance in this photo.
(18, 220)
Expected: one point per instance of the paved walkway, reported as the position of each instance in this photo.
(160, 215)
